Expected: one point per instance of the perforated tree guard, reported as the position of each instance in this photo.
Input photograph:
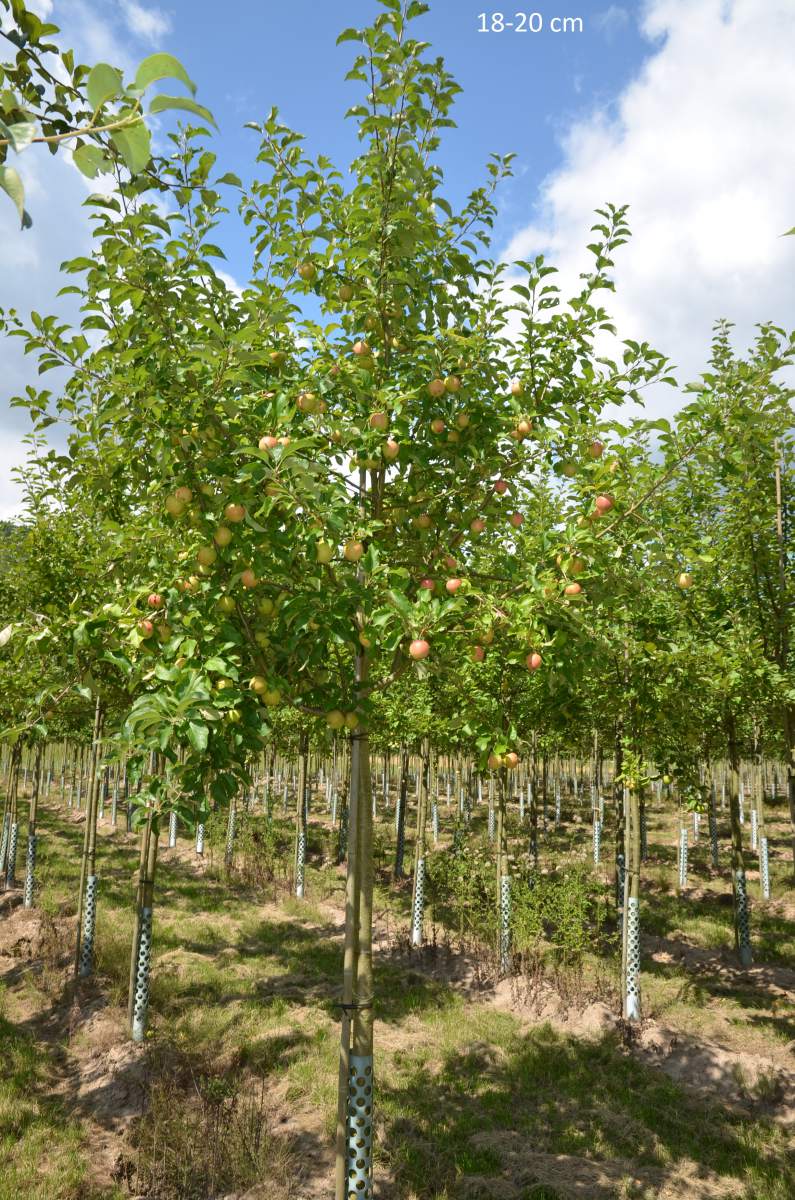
(754, 829)
(632, 991)
(231, 824)
(200, 838)
(435, 822)
(557, 806)
(86, 961)
(696, 826)
(597, 840)
(300, 864)
(172, 830)
(713, 837)
(418, 910)
(141, 999)
(114, 806)
(742, 917)
(505, 924)
(491, 823)
(30, 871)
(11, 864)
(359, 1128)
(683, 856)
(4, 841)
(764, 867)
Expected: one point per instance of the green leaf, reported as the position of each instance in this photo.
(164, 103)
(11, 183)
(162, 66)
(90, 161)
(104, 82)
(134, 144)
(20, 134)
(198, 735)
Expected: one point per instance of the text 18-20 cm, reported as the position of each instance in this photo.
(527, 22)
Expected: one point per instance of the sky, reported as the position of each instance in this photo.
(683, 109)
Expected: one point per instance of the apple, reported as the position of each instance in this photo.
(146, 627)
(449, 562)
(453, 585)
(235, 513)
(419, 648)
(262, 639)
(572, 589)
(361, 348)
(478, 525)
(335, 719)
(576, 566)
(345, 293)
(353, 551)
(452, 383)
(248, 578)
(351, 720)
(436, 388)
(524, 427)
(390, 449)
(269, 442)
(307, 402)
(423, 521)
(428, 584)
(454, 437)
(266, 607)
(272, 697)
(379, 421)
(511, 760)
(462, 420)
(278, 358)
(226, 605)
(324, 552)
(307, 271)
(495, 762)
(206, 556)
(258, 684)
(569, 470)
(184, 494)
(516, 520)
(478, 654)
(155, 600)
(501, 487)
(222, 536)
(517, 387)
(533, 661)
(666, 778)
(174, 507)
(596, 449)
(685, 580)
(284, 441)
(437, 425)
(603, 504)
(233, 716)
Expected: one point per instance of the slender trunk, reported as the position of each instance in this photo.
(503, 877)
(87, 898)
(30, 871)
(400, 821)
(139, 999)
(299, 858)
(631, 926)
(418, 890)
(742, 930)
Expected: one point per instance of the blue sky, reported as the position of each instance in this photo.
(521, 90)
(683, 109)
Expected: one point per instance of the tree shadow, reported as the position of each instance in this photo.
(546, 1108)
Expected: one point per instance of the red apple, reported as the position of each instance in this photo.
(379, 421)
(235, 513)
(516, 520)
(449, 562)
(248, 578)
(353, 551)
(596, 449)
(572, 589)
(436, 388)
(478, 525)
(603, 504)
(155, 600)
(453, 585)
(419, 648)
(437, 425)
(478, 654)
(533, 661)
(361, 348)
(391, 449)
(268, 442)
(501, 487)
(428, 584)
(146, 627)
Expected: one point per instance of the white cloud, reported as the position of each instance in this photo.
(149, 24)
(612, 19)
(697, 146)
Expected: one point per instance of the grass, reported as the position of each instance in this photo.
(243, 1006)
